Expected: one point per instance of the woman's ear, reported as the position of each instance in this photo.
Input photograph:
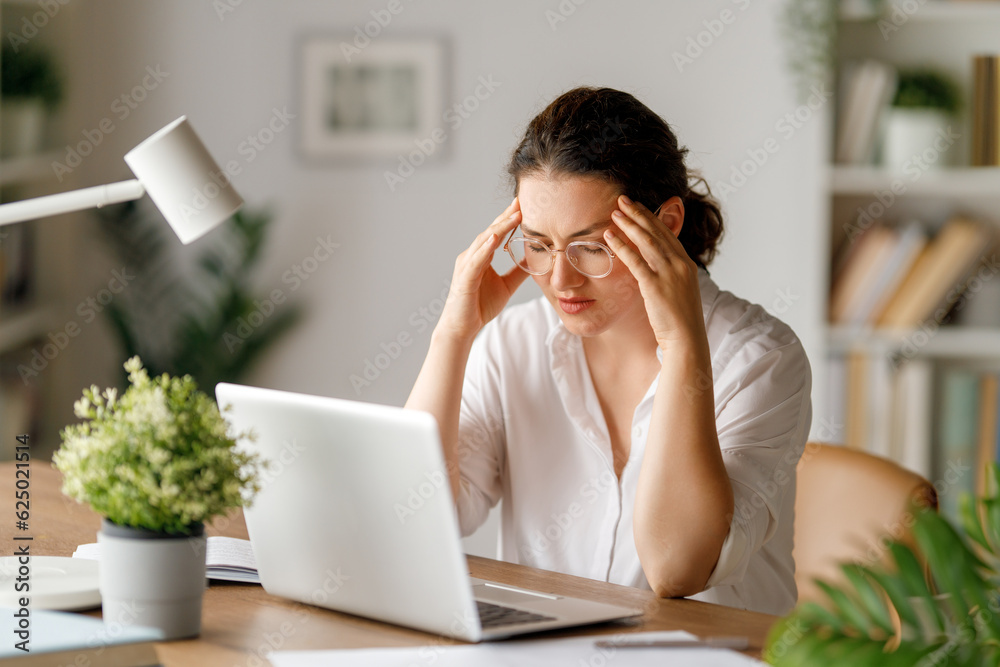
(671, 214)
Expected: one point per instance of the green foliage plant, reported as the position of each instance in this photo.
(890, 615)
(927, 89)
(809, 31)
(29, 73)
(160, 457)
(193, 320)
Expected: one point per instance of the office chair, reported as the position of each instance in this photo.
(848, 505)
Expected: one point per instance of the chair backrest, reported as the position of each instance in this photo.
(849, 504)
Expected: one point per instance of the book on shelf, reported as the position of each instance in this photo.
(937, 274)
(940, 421)
(64, 638)
(986, 110)
(986, 436)
(957, 431)
(866, 90)
(913, 426)
(862, 259)
(226, 559)
(874, 266)
(869, 403)
(856, 419)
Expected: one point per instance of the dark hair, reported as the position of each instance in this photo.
(608, 134)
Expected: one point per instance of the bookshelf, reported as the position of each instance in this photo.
(48, 261)
(888, 386)
(952, 183)
(934, 11)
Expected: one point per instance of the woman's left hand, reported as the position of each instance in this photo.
(667, 277)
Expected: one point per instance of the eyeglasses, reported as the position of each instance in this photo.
(590, 258)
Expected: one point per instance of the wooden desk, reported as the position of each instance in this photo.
(241, 623)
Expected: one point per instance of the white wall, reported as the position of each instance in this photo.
(397, 248)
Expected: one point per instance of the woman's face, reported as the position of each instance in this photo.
(562, 209)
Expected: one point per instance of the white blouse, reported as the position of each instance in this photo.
(532, 433)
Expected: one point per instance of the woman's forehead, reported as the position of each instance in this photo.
(566, 206)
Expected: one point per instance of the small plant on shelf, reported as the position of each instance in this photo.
(29, 73)
(927, 89)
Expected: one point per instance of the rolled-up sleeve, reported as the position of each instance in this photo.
(481, 435)
(763, 415)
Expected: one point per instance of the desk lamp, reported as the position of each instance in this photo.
(194, 195)
(173, 166)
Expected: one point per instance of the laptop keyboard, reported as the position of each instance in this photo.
(494, 615)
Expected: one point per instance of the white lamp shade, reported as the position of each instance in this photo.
(182, 179)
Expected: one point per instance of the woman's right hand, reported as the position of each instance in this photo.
(478, 293)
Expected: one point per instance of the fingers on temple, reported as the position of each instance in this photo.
(628, 254)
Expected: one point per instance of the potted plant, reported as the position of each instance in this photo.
(925, 103)
(886, 615)
(31, 87)
(156, 462)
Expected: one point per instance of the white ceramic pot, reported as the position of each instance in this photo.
(23, 127)
(152, 579)
(917, 132)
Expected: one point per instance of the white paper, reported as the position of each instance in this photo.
(574, 651)
(226, 558)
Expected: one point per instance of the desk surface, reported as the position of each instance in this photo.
(241, 623)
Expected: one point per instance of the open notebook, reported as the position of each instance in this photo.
(226, 559)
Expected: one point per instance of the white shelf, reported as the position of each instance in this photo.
(946, 341)
(27, 169)
(23, 325)
(930, 11)
(944, 182)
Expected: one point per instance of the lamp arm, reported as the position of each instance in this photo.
(66, 202)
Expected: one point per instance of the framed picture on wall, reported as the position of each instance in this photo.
(369, 98)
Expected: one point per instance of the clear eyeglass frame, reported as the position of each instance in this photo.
(553, 253)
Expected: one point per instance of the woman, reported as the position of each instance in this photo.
(643, 426)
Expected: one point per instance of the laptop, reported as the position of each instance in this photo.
(355, 514)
